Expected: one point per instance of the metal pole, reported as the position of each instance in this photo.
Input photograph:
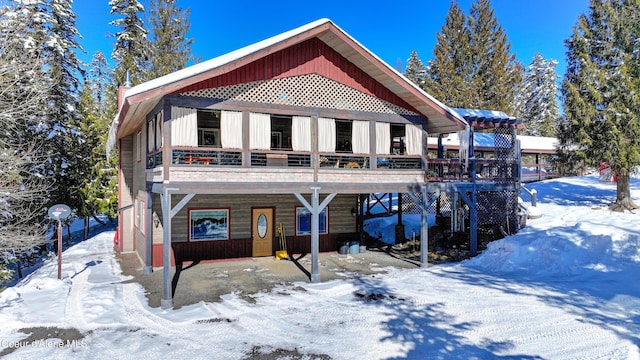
(59, 250)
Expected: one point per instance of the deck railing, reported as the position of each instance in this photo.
(206, 157)
(273, 158)
(460, 170)
(437, 169)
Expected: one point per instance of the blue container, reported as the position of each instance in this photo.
(354, 247)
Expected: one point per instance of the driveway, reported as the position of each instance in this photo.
(209, 281)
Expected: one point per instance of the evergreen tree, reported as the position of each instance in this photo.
(67, 162)
(601, 91)
(415, 71)
(449, 72)
(170, 47)
(496, 74)
(98, 110)
(23, 184)
(538, 105)
(132, 46)
(472, 66)
(100, 81)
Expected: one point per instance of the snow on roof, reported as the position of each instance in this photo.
(487, 140)
(488, 114)
(250, 49)
(538, 142)
(221, 60)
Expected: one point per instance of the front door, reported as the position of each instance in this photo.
(262, 231)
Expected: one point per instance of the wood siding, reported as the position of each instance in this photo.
(341, 225)
(125, 195)
(309, 57)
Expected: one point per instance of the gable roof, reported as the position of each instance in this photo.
(140, 100)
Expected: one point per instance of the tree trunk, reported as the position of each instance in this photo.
(623, 195)
(86, 229)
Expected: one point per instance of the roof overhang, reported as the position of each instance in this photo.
(138, 101)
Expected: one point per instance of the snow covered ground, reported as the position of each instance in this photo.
(565, 287)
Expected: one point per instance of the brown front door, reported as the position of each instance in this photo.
(262, 231)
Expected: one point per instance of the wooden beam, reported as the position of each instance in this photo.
(181, 204)
(315, 208)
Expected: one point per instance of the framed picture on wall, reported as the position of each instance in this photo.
(208, 224)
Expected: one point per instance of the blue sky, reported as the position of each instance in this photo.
(390, 30)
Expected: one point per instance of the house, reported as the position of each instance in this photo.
(289, 131)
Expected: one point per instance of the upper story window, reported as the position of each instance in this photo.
(344, 131)
(209, 128)
(281, 133)
(398, 140)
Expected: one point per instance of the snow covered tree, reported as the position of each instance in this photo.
(67, 161)
(170, 47)
(98, 109)
(23, 185)
(449, 71)
(415, 71)
(537, 102)
(601, 91)
(131, 48)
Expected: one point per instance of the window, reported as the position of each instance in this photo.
(281, 132)
(209, 128)
(398, 141)
(140, 211)
(343, 136)
(303, 221)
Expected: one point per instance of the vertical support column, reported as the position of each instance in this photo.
(167, 301)
(424, 229)
(246, 129)
(315, 208)
(315, 234)
(148, 251)
(473, 211)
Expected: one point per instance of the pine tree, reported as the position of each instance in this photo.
(132, 46)
(496, 74)
(22, 107)
(415, 71)
(170, 47)
(100, 81)
(601, 91)
(449, 72)
(538, 105)
(472, 65)
(98, 109)
(67, 160)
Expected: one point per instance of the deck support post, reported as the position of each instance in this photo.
(167, 214)
(148, 251)
(167, 300)
(315, 208)
(424, 205)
